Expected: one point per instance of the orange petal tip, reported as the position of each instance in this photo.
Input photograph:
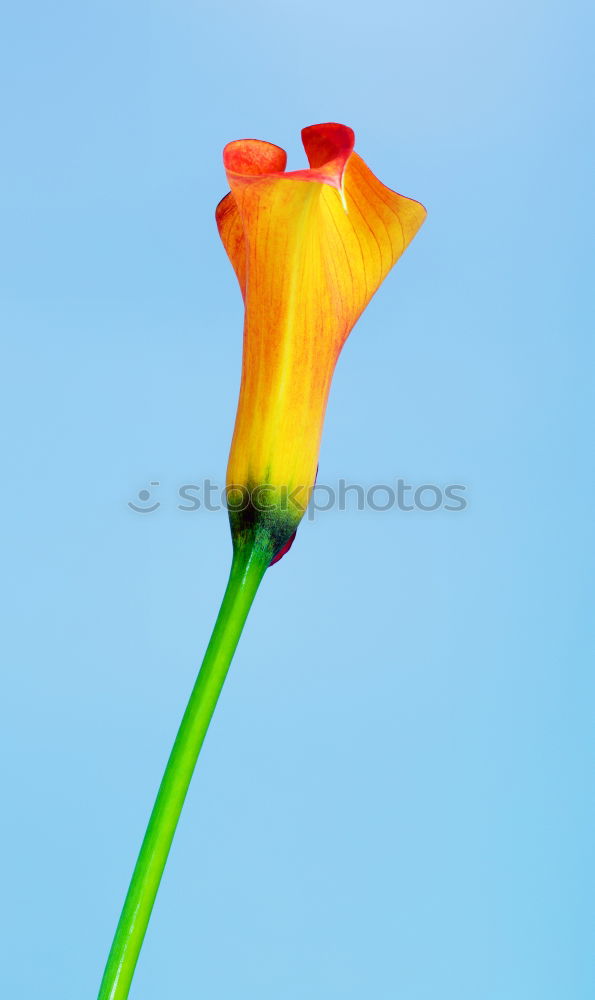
(254, 157)
(328, 147)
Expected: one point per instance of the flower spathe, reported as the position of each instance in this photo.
(309, 248)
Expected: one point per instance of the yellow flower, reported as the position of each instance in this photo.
(309, 248)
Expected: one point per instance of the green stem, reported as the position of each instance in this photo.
(247, 570)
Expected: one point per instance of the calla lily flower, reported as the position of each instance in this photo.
(309, 248)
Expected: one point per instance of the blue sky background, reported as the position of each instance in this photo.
(392, 801)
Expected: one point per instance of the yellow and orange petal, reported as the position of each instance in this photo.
(309, 248)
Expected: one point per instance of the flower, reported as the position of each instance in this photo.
(309, 248)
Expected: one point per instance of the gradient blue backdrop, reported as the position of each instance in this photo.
(392, 801)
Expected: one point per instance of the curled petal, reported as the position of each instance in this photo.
(310, 248)
(231, 232)
(328, 148)
(248, 158)
(253, 157)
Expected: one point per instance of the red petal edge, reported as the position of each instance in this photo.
(285, 549)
